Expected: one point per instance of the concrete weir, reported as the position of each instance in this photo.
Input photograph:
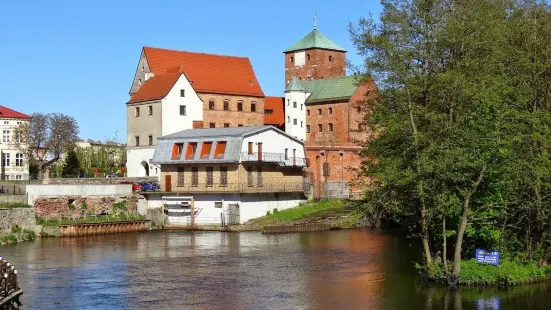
(76, 230)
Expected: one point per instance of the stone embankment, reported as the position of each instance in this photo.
(17, 217)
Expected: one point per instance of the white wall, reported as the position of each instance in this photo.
(273, 142)
(83, 190)
(13, 172)
(250, 206)
(172, 121)
(134, 159)
(299, 113)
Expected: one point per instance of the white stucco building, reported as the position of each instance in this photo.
(15, 165)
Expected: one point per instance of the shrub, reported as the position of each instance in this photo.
(14, 205)
(275, 210)
(8, 239)
(15, 229)
(268, 213)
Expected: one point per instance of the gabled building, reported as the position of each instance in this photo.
(274, 112)
(15, 165)
(178, 90)
(235, 173)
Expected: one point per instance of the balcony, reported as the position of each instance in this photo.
(295, 187)
(279, 158)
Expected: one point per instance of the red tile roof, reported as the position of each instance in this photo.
(9, 113)
(277, 104)
(155, 88)
(209, 73)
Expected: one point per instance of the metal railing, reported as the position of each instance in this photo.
(242, 188)
(279, 158)
(9, 286)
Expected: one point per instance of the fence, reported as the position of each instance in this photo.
(9, 286)
(241, 188)
(13, 189)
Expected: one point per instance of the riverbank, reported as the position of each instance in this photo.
(17, 235)
(507, 273)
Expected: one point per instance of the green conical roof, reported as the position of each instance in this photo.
(295, 85)
(314, 40)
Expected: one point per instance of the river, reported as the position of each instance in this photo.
(355, 269)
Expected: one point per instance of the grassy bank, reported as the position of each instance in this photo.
(11, 205)
(334, 212)
(90, 220)
(507, 273)
(17, 235)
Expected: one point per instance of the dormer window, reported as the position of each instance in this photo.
(220, 150)
(191, 149)
(177, 149)
(205, 150)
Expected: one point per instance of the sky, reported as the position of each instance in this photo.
(79, 57)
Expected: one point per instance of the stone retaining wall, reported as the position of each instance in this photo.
(20, 217)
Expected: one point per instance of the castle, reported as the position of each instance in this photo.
(177, 90)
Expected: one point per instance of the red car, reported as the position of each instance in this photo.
(135, 186)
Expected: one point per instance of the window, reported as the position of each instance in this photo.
(194, 176)
(182, 110)
(294, 121)
(220, 149)
(7, 177)
(286, 154)
(320, 128)
(319, 112)
(18, 177)
(6, 160)
(137, 111)
(226, 105)
(308, 112)
(294, 104)
(259, 178)
(182, 92)
(307, 128)
(358, 109)
(250, 180)
(301, 107)
(137, 140)
(191, 149)
(330, 58)
(177, 149)
(223, 175)
(150, 140)
(330, 110)
(330, 126)
(211, 104)
(181, 176)
(143, 68)
(240, 106)
(218, 204)
(6, 122)
(210, 180)
(150, 110)
(292, 59)
(250, 148)
(268, 112)
(253, 107)
(288, 119)
(239, 125)
(139, 81)
(6, 136)
(288, 102)
(18, 136)
(18, 123)
(212, 125)
(307, 56)
(301, 124)
(226, 125)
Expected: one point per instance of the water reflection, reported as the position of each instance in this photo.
(181, 270)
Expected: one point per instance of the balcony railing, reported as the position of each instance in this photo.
(294, 187)
(279, 158)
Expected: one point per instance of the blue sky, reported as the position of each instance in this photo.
(79, 57)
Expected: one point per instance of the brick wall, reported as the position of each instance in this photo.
(317, 67)
(232, 116)
(72, 206)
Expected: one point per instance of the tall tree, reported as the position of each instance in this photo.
(71, 167)
(45, 137)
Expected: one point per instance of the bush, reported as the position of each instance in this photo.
(8, 239)
(275, 210)
(15, 229)
(119, 206)
(268, 213)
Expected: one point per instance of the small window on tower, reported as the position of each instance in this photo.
(301, 124)
(150, 110)
(307, 128)
(307, 56)
(320, 127)
(294, 104)
(330, 58)
(292, 59)
(294, 121)
(330, 126)
(308, 112)
(319, 111)
(288, 119)
(330, 110)
(253, 106)
(288, 102)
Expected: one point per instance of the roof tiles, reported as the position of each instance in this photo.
(314, 40)
(155, 88)
(276, 105)
(208, 73)
(9, 113)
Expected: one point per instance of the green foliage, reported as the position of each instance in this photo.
(119, 207)
(462, 119)
(302, 211)
(268, 213)
(275, 210)
(71, 167)
(8, 239)
(14, 205)
(16, 229)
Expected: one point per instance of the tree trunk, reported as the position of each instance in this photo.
(444, 244)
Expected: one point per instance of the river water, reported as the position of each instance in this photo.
(355, 269)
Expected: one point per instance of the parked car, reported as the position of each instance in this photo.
(147, 186)
(135, 186)
(110, 176)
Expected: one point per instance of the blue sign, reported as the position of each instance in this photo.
(489, 257)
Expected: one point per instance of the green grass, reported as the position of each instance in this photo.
(507, 273)
(302, 212)
(90, 220)
(18, 235)
(14, 205)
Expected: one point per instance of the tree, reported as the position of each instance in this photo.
(45, 137)
(71, 167)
